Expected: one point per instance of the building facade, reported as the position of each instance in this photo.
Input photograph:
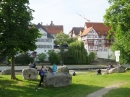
(46, 42)
(95, 39)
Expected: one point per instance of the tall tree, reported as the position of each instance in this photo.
(78, 53)
(117, 16)
(63, 39)
(17, 33)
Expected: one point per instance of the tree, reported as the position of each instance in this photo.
(23, 59)
(91, 57)
(63, 39)
(17, 33)
(54, 57)
(77, 53)
(41, 57)
(117, 17)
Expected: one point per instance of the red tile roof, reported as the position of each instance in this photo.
(85, 32)
(53, 29)
(98, 27)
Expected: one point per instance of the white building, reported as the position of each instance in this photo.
(45, 42)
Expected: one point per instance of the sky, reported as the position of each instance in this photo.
(69, 13)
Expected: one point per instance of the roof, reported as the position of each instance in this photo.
(98, 27)
(40, 26)
(85, 32)
(53, 29)
(76, 30)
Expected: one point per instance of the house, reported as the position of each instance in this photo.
(95, 39)
(76, 32)
(46, 42)
(53, 29)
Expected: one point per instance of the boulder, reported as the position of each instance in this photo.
(112, 70)
(57, 80)
(30, 73)
(63, 69)
(120, 69)
(6, 72)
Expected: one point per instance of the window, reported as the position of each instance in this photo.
(99, 40)
(100, 36)
(44, 34)
(99, 45)
(48, 40)
(105, 32)
(44, 46)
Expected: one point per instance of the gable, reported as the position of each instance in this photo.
(44, 31)
(86, 31)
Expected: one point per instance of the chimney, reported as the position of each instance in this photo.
(41, 23)
(51, 23)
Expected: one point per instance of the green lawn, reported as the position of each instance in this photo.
(82, 84)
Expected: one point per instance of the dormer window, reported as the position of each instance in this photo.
(105, 32)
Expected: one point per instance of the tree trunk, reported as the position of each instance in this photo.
(12, 68)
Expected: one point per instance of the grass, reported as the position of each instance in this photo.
(82, 85)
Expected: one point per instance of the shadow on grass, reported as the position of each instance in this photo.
(30, 90)
(1, 77)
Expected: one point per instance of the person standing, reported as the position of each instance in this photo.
(42, 74)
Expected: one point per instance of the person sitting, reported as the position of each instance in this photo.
(30, 65)
(74, 74)
(34, 66)
(50, 70)
(99, 72)
(111, 66)
(54, 68)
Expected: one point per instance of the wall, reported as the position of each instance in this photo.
(105, 54)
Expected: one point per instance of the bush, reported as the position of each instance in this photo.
(23, 59)
(91, 57)
(41, 57)
(54, 57)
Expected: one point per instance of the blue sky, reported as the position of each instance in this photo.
(64, 12)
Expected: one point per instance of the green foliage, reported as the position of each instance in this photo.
(41, 57)
(91, 57)
(54, 57)
(63, 38)
(77, 54)
(23, 59)
(70, 40)
(2, 58)
(117, 16)
(17, 33)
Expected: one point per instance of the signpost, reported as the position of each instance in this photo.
(117, 54)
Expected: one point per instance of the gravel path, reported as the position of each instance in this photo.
(105, 90)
